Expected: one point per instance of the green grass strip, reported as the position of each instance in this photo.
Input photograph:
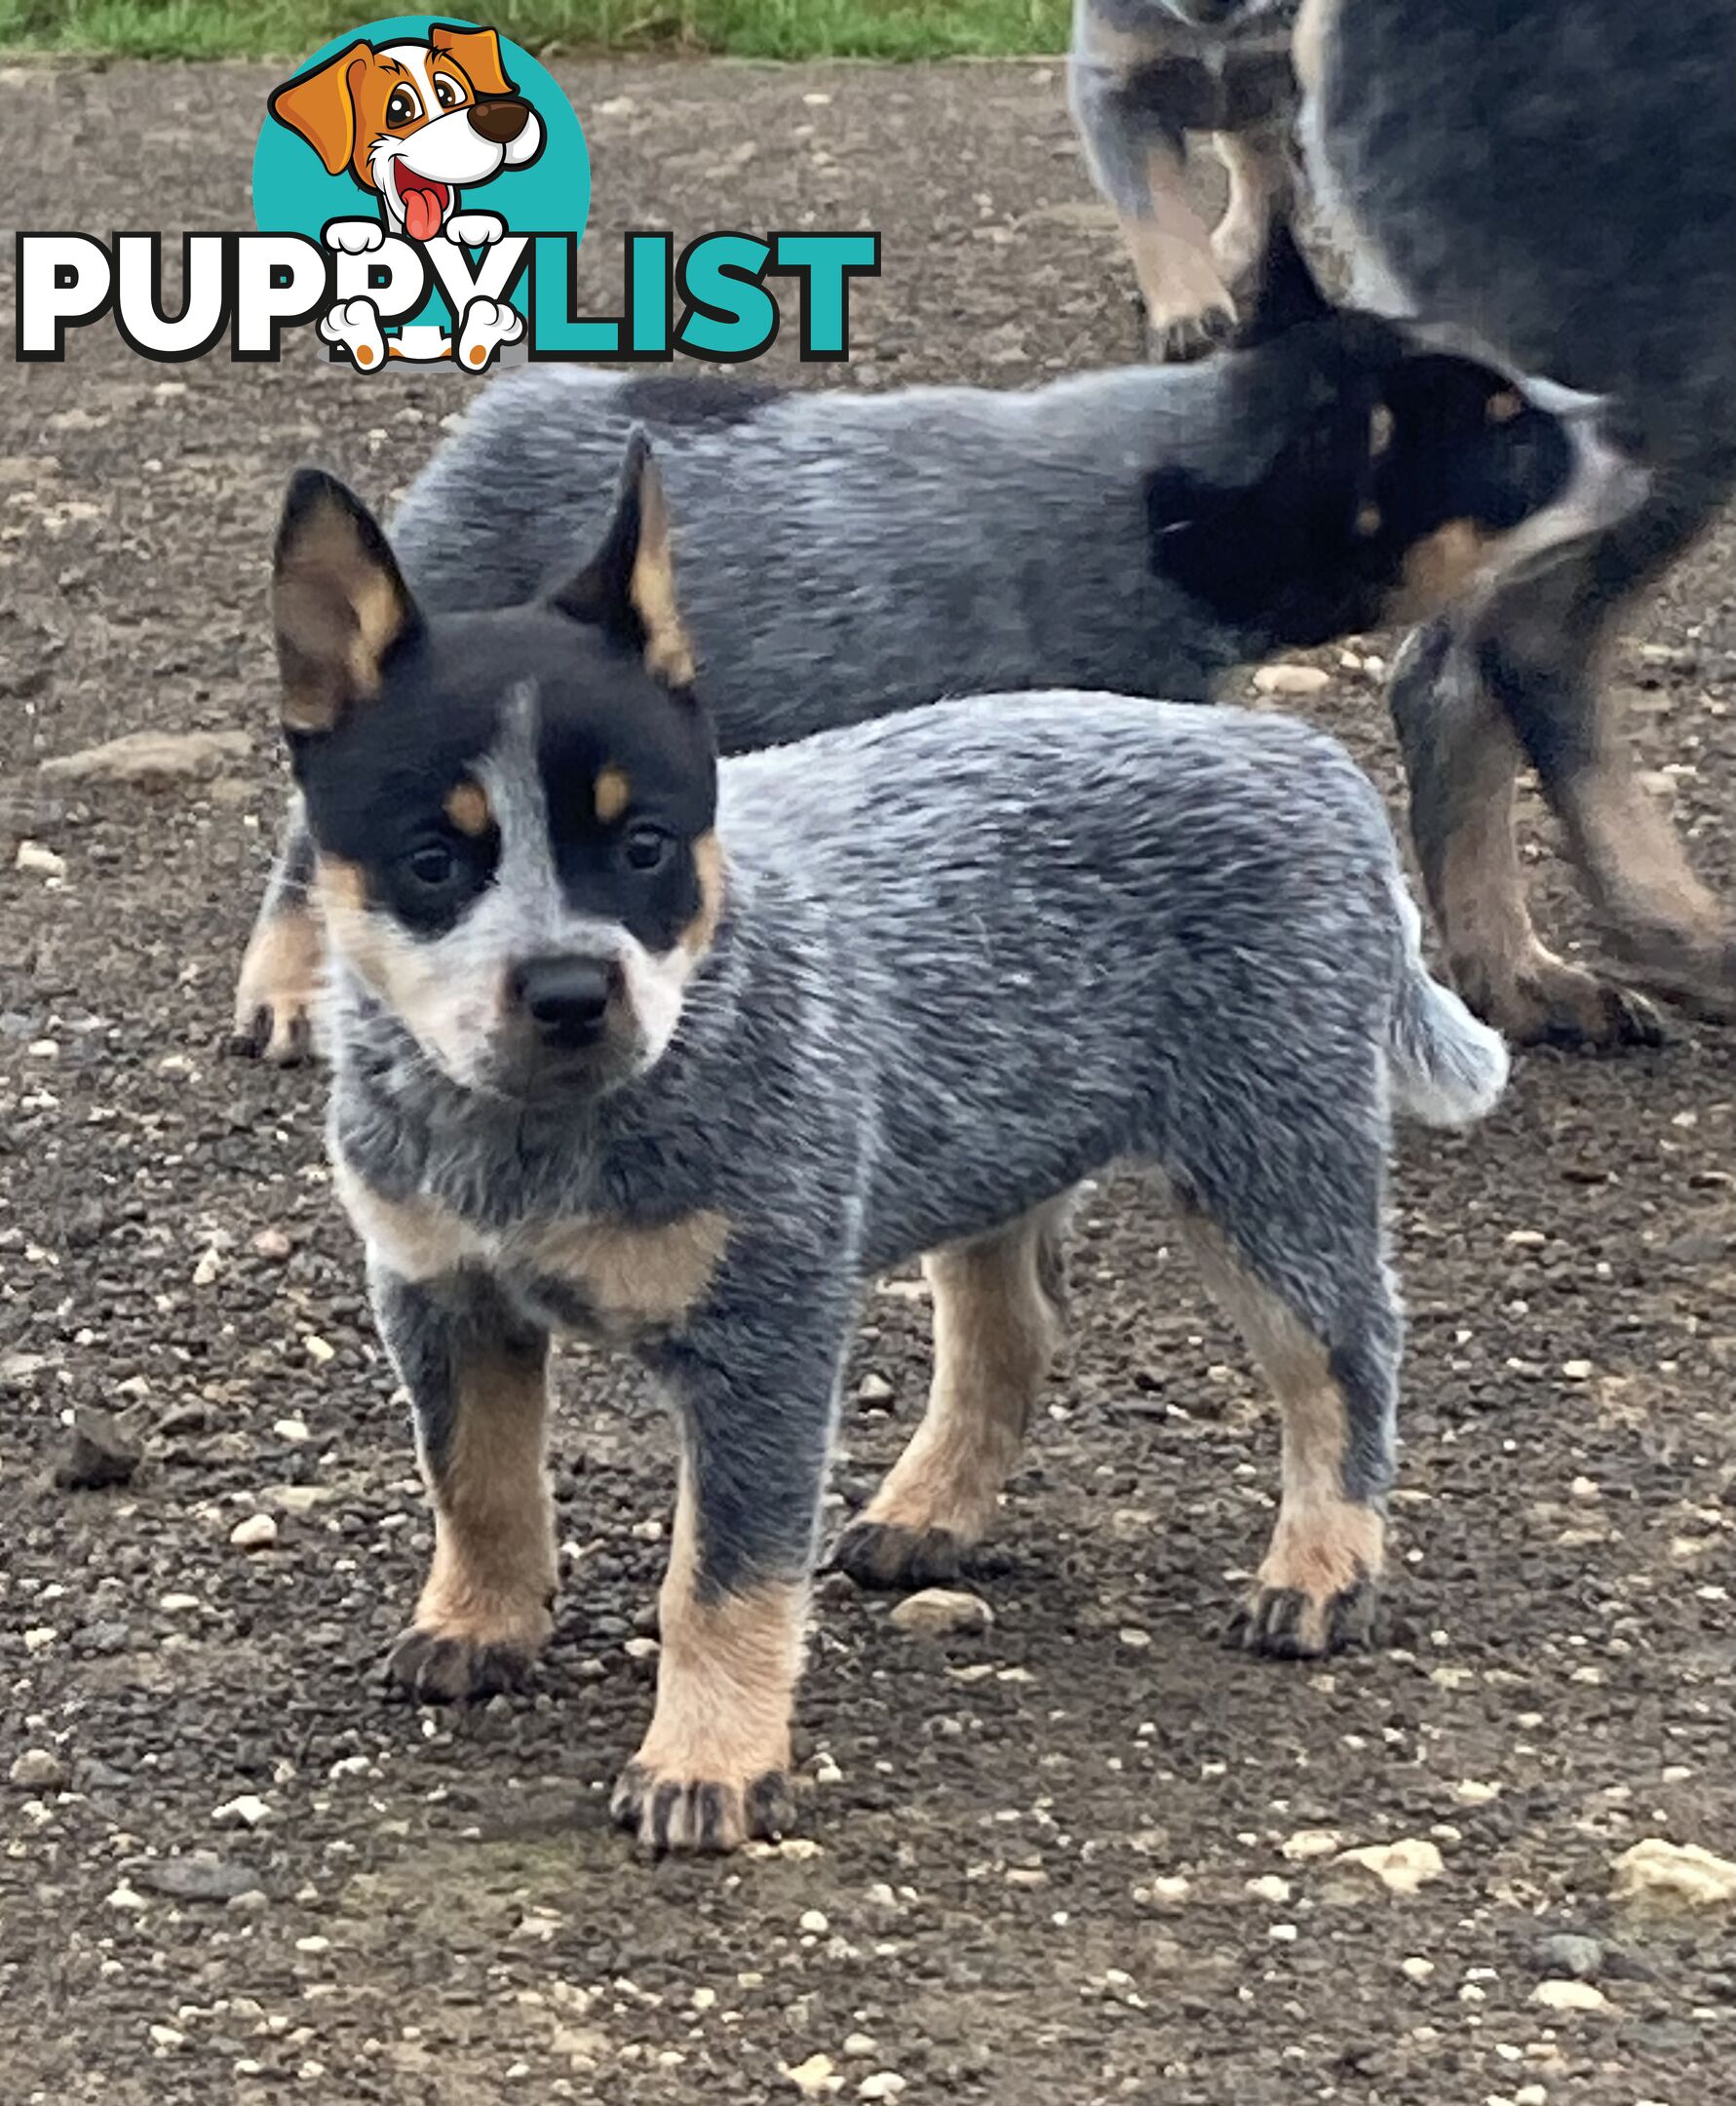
(741, 28)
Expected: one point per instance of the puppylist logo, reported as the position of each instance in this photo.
(421, 190)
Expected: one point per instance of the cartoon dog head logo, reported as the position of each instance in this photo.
(445, 129)
(414, 122)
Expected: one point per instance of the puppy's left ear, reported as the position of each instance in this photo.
(477, 51)
(629, 586)
(339, 603)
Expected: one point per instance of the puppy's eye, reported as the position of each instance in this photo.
(646, 847)
(402, 108)
(432, 864)
(445, 92)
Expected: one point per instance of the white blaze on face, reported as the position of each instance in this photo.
(452, 992)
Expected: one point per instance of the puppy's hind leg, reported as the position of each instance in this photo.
(997, 1323)
(1335, 1374)
(279, 974)
(1540, 651)
(1462, 759)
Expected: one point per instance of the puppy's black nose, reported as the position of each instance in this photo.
(566, 998)
(501, 119)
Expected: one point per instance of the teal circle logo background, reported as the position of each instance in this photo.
(292, 194)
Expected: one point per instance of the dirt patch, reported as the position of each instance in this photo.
(1046, 1861)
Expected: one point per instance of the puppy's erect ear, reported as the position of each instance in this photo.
(477, 51)
(1289, 293)
(629, 586)
(338, 604)
(322, 107)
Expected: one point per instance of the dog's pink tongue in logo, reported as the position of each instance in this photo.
(424, 201)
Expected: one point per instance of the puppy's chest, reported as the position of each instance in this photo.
(613, 1280)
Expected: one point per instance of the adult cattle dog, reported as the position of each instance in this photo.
(1559, 182)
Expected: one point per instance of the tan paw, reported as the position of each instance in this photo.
(436, 1668)
(666, 1810)
(1547, 1001)
(276, 993)
(1318, 1585)
(1287, 1623)
(882, 1554)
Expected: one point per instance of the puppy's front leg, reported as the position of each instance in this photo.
(755, 1431)
(477, 1375)
(279, 975)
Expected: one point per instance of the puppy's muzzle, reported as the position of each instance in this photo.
(567, 999)
(500, 119)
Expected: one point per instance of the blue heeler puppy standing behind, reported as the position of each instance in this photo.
(677, 1057)
(1141, 531)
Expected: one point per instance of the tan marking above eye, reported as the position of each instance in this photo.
(610, 793)
(1506, 406)
(1381, 430)
(1367, 520)
(467, 807)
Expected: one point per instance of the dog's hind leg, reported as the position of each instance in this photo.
(1320, 1316)
(1462, 759)
(1541, 649)
(279, 974)
(998, 1323)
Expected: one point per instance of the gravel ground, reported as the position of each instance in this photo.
(1085, 1855)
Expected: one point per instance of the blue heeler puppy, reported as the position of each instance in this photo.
(1137, 530)
(677, 1057)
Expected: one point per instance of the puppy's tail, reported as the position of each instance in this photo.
(1446, 1067)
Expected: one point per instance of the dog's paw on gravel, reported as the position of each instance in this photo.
(439, 1669)
(882, 1554)
(665, 1812)
(1285, 1624)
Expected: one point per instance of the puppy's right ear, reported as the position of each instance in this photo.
(322, 107)
(338, 604)
(628, 588)
(1289, 293)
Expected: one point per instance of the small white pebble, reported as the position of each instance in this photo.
(813, 1921)
(1569, 1996)
(259, 1532)
(39, 861)
(1291, 679)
